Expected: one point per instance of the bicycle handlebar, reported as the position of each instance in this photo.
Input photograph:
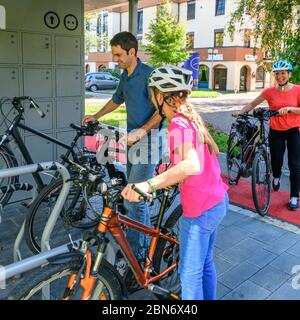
(37, 108)
(258, 113)
(143, 195)
(16, 101)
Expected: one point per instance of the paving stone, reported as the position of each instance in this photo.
(222, 290)
(262, 257)
(295, 249)
(247, 291)
(250, 224)
(268, 234)
(285, 262)
(270, 278)
(222, 265)
(237, 275)
(230, 236)
(231, 218)
(242, 251)
(286, 292)
(283, 243)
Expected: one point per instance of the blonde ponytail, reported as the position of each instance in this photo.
(203, 135)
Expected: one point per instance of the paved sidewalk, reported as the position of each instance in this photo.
(255, 257)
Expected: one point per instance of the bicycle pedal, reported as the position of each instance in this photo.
(163, 292)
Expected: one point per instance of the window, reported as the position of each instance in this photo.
(101, 77)
(191, 7)
(220, 7)
(190, 37)
(219, 38)
(260, 74)
(140, 22)
(102, 31)
(247, 38)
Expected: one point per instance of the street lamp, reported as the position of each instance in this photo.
(212, 53)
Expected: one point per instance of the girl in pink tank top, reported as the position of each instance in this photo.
(194, 165)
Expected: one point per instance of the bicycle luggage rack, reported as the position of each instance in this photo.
(32, 168)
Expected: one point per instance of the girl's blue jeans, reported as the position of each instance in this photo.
(196, 266)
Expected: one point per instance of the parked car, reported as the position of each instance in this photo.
(100, 80)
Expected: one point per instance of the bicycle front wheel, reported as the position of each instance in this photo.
(6, 161)
(74, 215)
(261, 182)
(49, 283)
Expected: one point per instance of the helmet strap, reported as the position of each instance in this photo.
(159, 106)
(283, 85)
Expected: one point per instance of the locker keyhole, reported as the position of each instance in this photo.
(52, 19)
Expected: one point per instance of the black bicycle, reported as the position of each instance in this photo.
(248, 155)
(9, 160)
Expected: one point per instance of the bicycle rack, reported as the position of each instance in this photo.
(44, 166)
(23, 265)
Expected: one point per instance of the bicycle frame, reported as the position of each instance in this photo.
(258, 139)
(15, 133)
(112, 222)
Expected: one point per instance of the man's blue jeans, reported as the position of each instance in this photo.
(139, 172)
(196, 266)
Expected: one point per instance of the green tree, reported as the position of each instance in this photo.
(276, 28)
(92, 41)
(167, 38)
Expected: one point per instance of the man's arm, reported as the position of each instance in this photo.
(136, 135)
(109, 107)
(152, 123)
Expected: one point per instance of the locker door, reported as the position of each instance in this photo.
(9, 47)
(33, 119)
(38, 82)
(69, 82)
(9, 80)
(36, 48)
(67, 51)
(68, 112)
(39, 148)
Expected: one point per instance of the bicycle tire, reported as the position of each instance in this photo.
(40, 209)
(9, 161)
(233, 160)
(261, 178)
(30, 286)
(166, 254)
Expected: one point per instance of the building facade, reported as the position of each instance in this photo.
(225, 63)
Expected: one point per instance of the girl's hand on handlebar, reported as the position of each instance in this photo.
(131, 195)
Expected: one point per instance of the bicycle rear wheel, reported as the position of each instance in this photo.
(233, 158)
(53, 278)
(7, 161)
(74, 215)
(261, 182)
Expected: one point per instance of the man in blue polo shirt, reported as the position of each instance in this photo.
(141, 118)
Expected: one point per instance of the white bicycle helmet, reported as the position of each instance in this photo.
(171, 79)
(282, 65)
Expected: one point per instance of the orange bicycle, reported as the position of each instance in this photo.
(84, 273)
